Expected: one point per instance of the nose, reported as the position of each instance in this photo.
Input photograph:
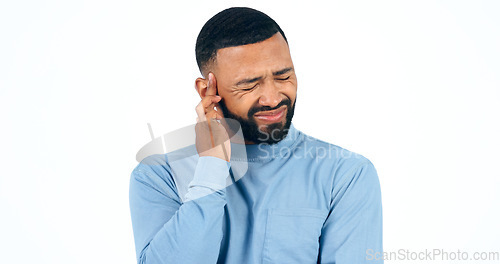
(270, 95)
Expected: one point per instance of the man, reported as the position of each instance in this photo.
(300, 200)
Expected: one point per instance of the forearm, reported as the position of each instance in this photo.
(167, 231)
(192, 235)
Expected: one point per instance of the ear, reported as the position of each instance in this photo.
(201, 86)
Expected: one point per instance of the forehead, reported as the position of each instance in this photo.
(254, 59)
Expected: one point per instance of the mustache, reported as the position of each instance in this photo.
(254, 110)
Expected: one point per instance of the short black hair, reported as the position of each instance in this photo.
(232, 27)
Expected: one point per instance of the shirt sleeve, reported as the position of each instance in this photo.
(352, 232)
(169, 231)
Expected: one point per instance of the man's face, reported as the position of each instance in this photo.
(258, 87)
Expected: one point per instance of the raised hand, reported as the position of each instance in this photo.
(212, 139)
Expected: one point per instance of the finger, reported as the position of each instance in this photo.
(217, 108)
(200, 112)
(212, 84)
(205, 104)
(212, 140)
(207, 101)
(213, 113)
(210, 99)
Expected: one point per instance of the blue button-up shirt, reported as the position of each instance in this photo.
(301, 200)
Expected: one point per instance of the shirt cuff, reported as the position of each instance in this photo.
(209, 176)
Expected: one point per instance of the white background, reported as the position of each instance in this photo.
(412, 85)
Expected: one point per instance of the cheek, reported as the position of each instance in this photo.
(239, 104)
(290, 89)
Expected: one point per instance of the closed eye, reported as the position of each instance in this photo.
(249, 89)
(283, 79)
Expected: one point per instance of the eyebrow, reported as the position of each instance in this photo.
(252, 80)
(281, 72)
(248, 81)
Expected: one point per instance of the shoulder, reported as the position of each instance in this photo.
(159, 164)
(342, 163)
(167, 173)
(153, 171)
(322, 150)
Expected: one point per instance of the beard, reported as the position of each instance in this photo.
(271, 133)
